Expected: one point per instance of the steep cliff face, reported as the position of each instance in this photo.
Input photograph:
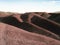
(30, 24)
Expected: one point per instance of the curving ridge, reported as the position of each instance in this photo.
(42, 22)
(55, 17)
(11, 35)
(22, 25)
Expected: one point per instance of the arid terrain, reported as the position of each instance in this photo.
(30, 28)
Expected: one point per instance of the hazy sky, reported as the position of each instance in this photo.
(30, 5)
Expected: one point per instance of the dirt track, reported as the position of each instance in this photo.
(18, 29)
